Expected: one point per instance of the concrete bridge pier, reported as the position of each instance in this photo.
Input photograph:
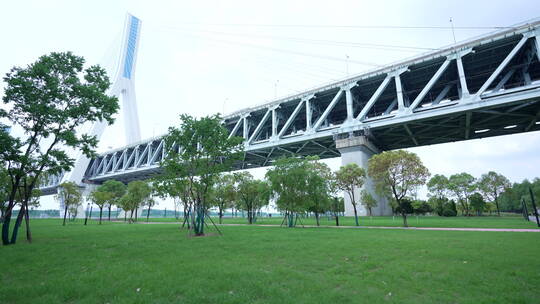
(358, 150)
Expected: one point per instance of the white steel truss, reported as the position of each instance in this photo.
(484, 87)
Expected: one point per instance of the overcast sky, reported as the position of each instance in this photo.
(202, 57)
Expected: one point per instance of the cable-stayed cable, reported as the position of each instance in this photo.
(326, 57)
(314, 41)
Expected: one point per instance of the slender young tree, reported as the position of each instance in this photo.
(462, 186)
(319, 187)
(397, 174)
(198, 151)
(71, 196)
(337, 207)
(492, 184)
(137, 194)
(101, 198)
(115, 189)
(349, 178)
(477, 203)
(252, 194)
(224, 194)
(368, 201)
(288, 182)
(49, 100)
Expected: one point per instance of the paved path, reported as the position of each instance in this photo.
(377, 227)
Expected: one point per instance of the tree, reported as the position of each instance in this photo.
(198, 151)
(477, 203)
(49, 100)
(177, 189)
(252, 194)
(116, 190)
(368, 201)
(288, 184)
(100, 198)
(397, 174)
(138, 193)
(492, 184)
(150, 202)
(462, 185)
(438, 204)
(490, 207)
(4, 191)
(25, 199)
(320, 183)
(224, 194)
(337, 206)
(349, 178)
(70, 196)
(421, 207)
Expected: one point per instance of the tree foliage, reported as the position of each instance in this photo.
(462, 185)
(368, 201)
(224, 194)
(252, 194)
(136, 196)
(492, 184)
(70, 195)
(397, 174)
(198, 151)
(349, 178)
(49, 99)
(477, 202)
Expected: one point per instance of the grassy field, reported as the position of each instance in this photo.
(121, 263)
(388, 221)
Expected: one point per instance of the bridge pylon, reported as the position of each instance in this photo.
(123, 87)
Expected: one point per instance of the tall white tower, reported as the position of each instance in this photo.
(123, 87)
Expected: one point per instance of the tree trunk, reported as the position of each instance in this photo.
(250, 216)
(317, 218)
(17, 225)
(5, 228)
(199, 226)
(27, 220)
(356, 215)
(497, 205)
(291, 220)
(100, 213)
(404, 215)
(337, 219)
(148, 214)
(110, 206)
(125, 215)
(220, 216)
(65, 214)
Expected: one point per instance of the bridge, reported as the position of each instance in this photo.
(482, 87)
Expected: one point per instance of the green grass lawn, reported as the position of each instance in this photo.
(122, 263)
(388, 221)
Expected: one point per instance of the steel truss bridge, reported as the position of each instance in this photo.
(487, 86)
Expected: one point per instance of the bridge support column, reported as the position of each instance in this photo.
(358, 150)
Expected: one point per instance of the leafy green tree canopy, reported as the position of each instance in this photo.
(349, 178)
(397, 174)
(198, 151)
(49, 99)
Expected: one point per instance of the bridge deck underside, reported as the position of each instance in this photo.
(504, 120)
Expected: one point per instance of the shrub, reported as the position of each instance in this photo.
(449, 212)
